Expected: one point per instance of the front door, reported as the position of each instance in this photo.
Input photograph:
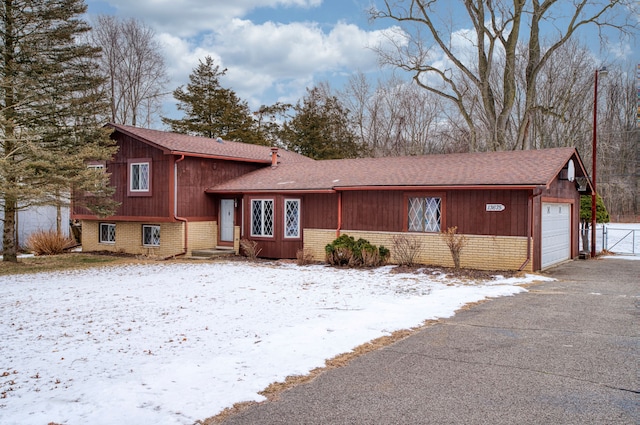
(226, 220)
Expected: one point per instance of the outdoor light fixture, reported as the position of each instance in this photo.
(603, 72)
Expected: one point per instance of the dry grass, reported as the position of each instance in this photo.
(49, 242)
(70, 261)
(250, 249)
(304, 257)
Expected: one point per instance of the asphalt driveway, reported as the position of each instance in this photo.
(566, 352)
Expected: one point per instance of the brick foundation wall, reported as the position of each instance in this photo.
(481, 252)
(202, 235)
(129, 239)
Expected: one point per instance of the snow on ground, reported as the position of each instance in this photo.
(171, 343)
(619, 238)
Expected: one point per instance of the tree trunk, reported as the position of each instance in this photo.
(9, 249)
(584, 228)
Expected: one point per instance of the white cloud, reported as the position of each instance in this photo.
(187, 18)
(267, 60)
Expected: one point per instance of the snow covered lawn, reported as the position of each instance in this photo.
(171, 343)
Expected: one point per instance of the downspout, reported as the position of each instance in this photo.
(175, 205)
(339, 215)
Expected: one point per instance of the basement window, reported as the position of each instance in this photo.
(107, 233)
(150, 235)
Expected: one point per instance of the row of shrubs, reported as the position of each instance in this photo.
(346, 251)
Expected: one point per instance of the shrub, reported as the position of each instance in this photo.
(304, 257)
(250, 249)
(455, 243)
(48, 242)
(346, 251)
(406, 249)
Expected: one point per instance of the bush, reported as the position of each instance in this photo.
(455, 243)
(48, 242)
(346, 251)
(304, 257)
(250, 249)
(406, 249)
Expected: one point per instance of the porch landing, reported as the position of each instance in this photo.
(218, 251)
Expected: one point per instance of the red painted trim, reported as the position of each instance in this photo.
(263, 192)
(437, 188)
(132, 219)
(339, 215)
(557, 200)
(226, 158)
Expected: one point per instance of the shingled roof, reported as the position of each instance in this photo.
(183, 144)
(531, 168)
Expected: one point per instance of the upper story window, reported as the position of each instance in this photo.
(425, 214)
(139, 177)
(262, 212)
(292, 218)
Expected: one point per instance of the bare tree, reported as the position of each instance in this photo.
(619, 145)
(395, 117)
(134, 68)
(477, 69)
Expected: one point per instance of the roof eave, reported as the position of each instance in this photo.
(223, 157)
(527, 186)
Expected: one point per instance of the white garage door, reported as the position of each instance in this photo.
(556, 233)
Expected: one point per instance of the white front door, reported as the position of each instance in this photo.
(226, 220)
(556, 233)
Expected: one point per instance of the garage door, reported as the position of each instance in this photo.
(556, 233)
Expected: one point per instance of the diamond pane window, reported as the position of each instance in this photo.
(139, 177)
(424, 214)
(107, 233)
(292, 218)
(262, 217)
(151, 235)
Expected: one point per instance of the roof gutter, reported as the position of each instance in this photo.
(261, 191)
(226, 158)
(440, 187)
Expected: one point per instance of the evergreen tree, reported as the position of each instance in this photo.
(320, 128)
(49, 101)
(212, 110)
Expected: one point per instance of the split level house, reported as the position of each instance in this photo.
(519, 210)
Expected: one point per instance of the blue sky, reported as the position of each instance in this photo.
(273, 49)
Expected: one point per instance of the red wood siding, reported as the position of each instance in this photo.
(466, 209)
(195, 175)
(320, 211)
(372, 210)
(156, 205)
(276, 246)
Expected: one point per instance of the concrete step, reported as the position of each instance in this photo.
(212, 252)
